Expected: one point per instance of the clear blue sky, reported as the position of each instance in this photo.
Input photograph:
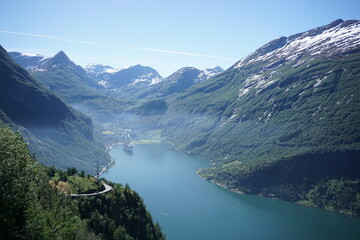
(122, 33)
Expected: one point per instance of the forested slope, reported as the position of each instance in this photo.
(31, 208)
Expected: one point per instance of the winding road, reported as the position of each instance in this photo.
(107, 189)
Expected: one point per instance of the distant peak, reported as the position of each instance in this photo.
(137, 66)
(61, 56)
(97, 65)
(216, 68)
(31, 55)
(332, 24)
(94, 66)
(188, 69)
(337, 22)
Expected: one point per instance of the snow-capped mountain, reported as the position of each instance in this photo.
(39, 63)
(96, 69)
(116, 78)
(327, 40)
(29, 61)
(338, 37)
(209, 72)
(101, 73)
(193, 75)
(60, 74)
(182, 79)
(141, 76)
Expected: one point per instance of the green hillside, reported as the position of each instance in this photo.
(58, 134)
(66, 79)
(32, 209)
(276, 127)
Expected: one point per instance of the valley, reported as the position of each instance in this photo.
(290, 109)
(282, 123)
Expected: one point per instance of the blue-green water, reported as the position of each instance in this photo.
(188, 207)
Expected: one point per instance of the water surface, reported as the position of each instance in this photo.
(188, 207)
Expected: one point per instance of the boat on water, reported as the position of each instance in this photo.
(128, 148)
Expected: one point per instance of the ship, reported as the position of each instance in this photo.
(128, 148)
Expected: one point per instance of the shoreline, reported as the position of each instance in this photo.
(106, 167)
(112, 161)
(109, 147)
(279, 199)
(220, 185)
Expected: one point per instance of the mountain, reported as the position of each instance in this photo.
(38, 63)
(334, 38)
(72, 83)
(210, 72)
(116, 78)
(27, 60)
(59, 74)
(101, 73)
(178, 81)
(149, 102)
(283, 122)
(173, 84)
(58, 134)
(183, 79)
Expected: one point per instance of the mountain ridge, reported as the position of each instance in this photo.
(116, 78)
(58, 134)
(306, 43)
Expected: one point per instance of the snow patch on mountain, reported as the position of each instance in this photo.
(30, 61)
(103, 83)
(31, 55)
(209, 72)
(136, 76)
(336, 37)
(96, 69)
(149, 79)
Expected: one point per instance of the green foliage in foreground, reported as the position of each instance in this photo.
(121, 214)
(32, 209)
